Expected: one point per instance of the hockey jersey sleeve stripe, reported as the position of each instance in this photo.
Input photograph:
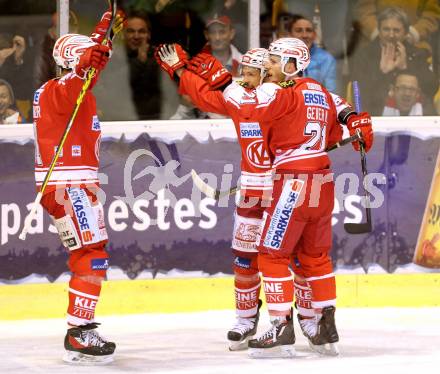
(58, 175)
(283, 159)
(60, 168)
(70, 182)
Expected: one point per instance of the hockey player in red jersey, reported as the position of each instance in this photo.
(256, 181)
(236, 100)
(295, 122)
(71, 194)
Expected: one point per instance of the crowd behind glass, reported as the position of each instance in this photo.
(391, 47)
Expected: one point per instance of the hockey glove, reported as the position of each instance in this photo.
(100, 30)
(209, 68)
(94, 57)
(361, 121)
(170, 57)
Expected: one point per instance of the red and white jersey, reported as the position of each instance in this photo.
(296, 118)
(79, 159)
(236, 102)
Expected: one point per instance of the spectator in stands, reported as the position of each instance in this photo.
(8, 114)
(377, 64)
(129, 88)
(423, 17)
(405, 98)
(219, 33)
(16, 66)
(144, 71)
(322, 64)
(237, 11)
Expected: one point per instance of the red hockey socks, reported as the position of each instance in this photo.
(303, 297)
(83, 297)
(247, 284)
(278, 283)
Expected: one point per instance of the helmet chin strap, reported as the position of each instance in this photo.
(287, 75)
(263, 73)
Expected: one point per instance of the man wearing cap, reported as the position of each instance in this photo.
(219, 33)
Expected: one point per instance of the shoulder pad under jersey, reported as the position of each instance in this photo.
(266, 92)
(234, 91)
(286, 84)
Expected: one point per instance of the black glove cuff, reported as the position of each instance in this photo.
(345, 114)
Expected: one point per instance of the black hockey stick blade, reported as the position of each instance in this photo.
(358, 228)
(362, 228)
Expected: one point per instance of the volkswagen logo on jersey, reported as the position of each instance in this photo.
(282, 214)
(257, 154)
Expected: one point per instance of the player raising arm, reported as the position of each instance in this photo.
(202, 80)
(71, 194)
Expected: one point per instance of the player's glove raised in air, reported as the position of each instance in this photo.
(361, 121)
(101, 28)
(171, 57)
(95, 56)
(210, 69)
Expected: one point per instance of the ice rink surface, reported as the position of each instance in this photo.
(374, 341)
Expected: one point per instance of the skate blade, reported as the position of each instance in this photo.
(329, 349)
(283, 351)
(78, 358)
(241, 345)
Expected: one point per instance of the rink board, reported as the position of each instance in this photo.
(48, 300)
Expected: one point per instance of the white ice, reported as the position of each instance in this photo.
(372, 340)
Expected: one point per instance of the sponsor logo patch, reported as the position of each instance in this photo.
(257, 154)
(82, 209)
(96, 125)
(314, 86)
(282, 214)
(100, 264)
(76, 151)
(242, 262)
(37, 96)
(55, 149)
(250, 130)
(315, 98)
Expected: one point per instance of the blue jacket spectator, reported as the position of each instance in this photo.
(323, 65)
(322, 68)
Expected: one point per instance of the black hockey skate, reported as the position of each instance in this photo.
(85, 346)
(243, 330)
(326, 336)
(278, 341)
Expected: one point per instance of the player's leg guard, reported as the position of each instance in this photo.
(319, 274)
(247, 226)
(247, 284)
(88, 267)
(277, 283)
(247, 303)
(82, 343)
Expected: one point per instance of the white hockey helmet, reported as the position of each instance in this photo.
(256, 58)
(288, 48)
(69, 48)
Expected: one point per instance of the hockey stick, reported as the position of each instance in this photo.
(211, 191)
(79, 100)
(361, 228)
(217, 194)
